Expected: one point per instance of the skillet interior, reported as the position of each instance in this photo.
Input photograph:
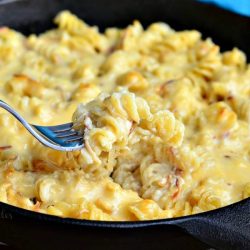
(227, 29)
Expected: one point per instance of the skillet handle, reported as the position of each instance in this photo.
(225, 228)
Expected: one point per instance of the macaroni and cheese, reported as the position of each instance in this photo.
(164, 116)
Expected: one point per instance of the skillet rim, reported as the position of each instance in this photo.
(9, 212)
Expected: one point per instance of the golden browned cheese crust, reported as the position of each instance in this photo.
(165, 117)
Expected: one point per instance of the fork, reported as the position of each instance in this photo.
(60, 137)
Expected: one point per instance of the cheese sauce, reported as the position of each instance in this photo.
(207, 92)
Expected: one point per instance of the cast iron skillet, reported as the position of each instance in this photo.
(225, 228)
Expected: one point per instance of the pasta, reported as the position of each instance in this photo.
(106, 125)
(164, 117)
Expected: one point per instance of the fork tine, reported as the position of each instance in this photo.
(74, 138)
(65, 135)
(61, 130)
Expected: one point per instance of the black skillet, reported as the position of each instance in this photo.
(225, 228)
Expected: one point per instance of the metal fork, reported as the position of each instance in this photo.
(60, 137)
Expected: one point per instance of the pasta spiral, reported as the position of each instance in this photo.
(75, 26)
(107, 121)
(207, 59)
(51, 51)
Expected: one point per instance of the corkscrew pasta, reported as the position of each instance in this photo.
(164, 116)
(107, 123)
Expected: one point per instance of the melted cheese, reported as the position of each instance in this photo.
(45, 78)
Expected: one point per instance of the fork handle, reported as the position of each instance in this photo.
(36, 131)
(8, 108)
(29, 127)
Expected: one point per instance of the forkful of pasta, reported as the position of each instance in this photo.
(104, 122)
